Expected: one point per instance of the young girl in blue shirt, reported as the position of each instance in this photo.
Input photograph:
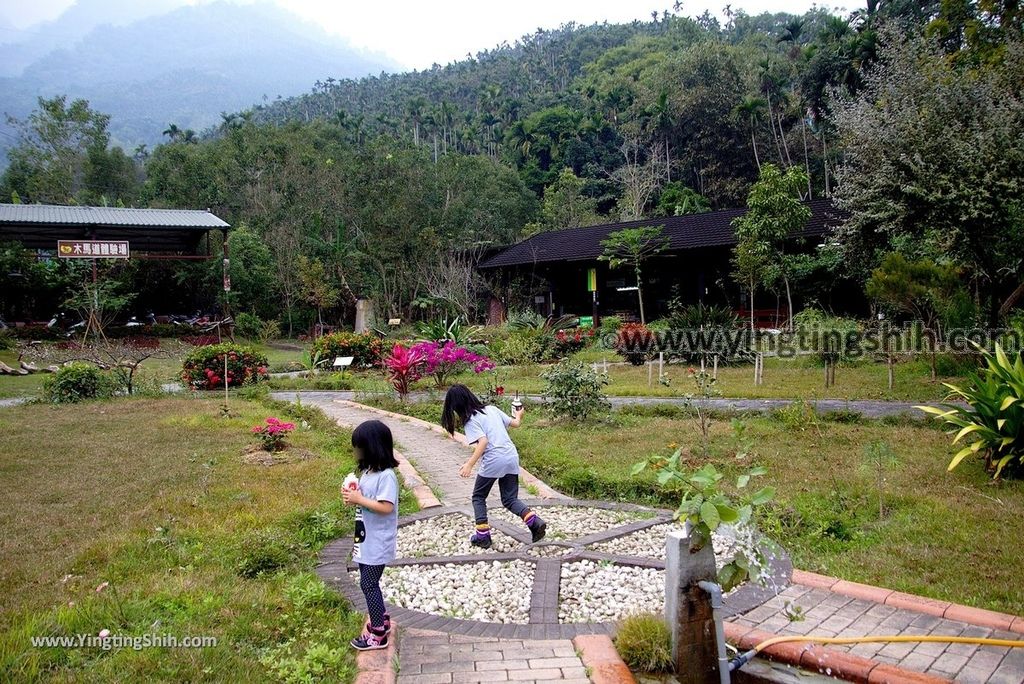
(486, 429)
(376, 499)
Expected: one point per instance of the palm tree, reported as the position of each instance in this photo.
(189, 137)
(791, 34)
(414, 108)
(172, 132)
(661, 118)
(750, 109)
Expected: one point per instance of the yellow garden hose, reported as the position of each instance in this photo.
(743, 659)
(901, 638)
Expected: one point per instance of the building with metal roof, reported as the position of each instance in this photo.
(155, 231)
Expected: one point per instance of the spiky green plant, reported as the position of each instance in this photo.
(994, 415)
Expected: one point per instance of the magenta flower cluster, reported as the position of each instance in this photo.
(443, 360)
(273, 433)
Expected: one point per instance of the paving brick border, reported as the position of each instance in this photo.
(918, 604)
(830, 662)
(335, 566)
(603, 663)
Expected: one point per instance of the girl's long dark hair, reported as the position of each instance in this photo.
(375, 447)
(459, 402)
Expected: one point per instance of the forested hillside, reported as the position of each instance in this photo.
(908, 113)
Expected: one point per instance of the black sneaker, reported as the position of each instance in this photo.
(539, 528)
(369, 641)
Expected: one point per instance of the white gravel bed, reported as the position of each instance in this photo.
(650, 543)
(487, 591)
(599, 592)
(446, 535)
(570, 522)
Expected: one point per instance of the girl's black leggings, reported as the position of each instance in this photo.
(369, 582)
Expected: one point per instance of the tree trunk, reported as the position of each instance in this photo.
(789, 305)
(807, 161)
(824, 161)
(1009, 302)
(751, 306)
(753, 141)
(640, 298)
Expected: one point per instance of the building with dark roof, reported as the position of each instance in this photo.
(556, 265)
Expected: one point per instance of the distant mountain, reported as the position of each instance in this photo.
(184, 66)
(21, 49)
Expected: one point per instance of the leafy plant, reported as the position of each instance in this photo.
(568, 342)
(994, 416)
(574, 390)
(879, 458)
(442, 360)
(252, 327)
(523, 345)
(365, 349)
(706, 388)
(404, 366)
(632, 247)
(705, 506)
(444, 330)
(272, 433)
(204, 368)
(76, 382)
(645, 643)
(634, 342)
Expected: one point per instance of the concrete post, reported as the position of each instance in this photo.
(364, 315)
(688, 610)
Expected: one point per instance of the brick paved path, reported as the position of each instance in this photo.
(426, 657)
(435, 658)
(436, 457)
(829, 614)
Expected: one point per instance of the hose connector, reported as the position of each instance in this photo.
(741, 660)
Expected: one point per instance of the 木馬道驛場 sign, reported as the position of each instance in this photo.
(93, 249)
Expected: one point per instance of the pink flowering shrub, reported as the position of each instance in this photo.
(444, 359)
(273, 433)
(404, 366)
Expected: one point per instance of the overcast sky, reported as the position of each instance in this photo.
(418, 33)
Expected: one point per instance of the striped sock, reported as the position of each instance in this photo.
(528, 517)
(483, 530)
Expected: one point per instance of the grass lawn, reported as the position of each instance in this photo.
(783, 379)
(151, 496)
(950, 536)
(154, 371)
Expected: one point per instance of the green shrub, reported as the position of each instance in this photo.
(264, 552)
(829, 336)
(204, 367)
(645, 643)
(994, 416)
(77, 382)
(796, 415)
(7, 339)
(523, 345)
(248, 325)
(574, 390)
(366, 349)
(609, 329)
